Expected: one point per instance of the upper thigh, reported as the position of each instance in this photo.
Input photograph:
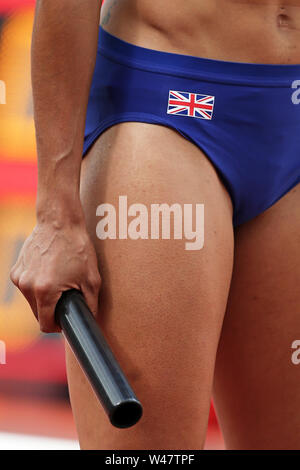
(261, 409)
(161, 306)
(151, 164)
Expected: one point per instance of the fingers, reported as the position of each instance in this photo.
(46, 300)
(46, 304)
(43, 299)
(22, 281)
(40, 297)
(42, 279)
(15, 274)
(25, 286)
(90, 290)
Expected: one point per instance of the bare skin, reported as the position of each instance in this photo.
(256, 383)
(231, 30)
(160, 307)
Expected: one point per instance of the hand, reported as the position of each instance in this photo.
(51, 261)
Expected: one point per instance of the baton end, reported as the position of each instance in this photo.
(126, 414)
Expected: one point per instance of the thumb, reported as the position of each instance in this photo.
(92, 298)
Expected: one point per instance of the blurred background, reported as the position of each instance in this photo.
(34, 407)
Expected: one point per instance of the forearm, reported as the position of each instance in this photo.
(64, 48)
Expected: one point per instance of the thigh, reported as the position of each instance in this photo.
(256, 384)
(161, 306)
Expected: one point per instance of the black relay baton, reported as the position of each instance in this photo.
(97, 360)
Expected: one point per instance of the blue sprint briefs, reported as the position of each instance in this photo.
(242, 116)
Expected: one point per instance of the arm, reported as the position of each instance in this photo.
(59, 255)
(64, 45)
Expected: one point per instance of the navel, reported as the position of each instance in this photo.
(283, 20)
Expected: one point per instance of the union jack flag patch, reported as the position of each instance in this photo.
(194, 105)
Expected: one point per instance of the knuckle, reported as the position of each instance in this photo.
(47, 325)
(24, 284)
(13, 277)
(95, 282)
(42, 288)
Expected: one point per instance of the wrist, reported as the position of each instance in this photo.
(59, 212)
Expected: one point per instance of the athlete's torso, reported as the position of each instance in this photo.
(258, 31)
